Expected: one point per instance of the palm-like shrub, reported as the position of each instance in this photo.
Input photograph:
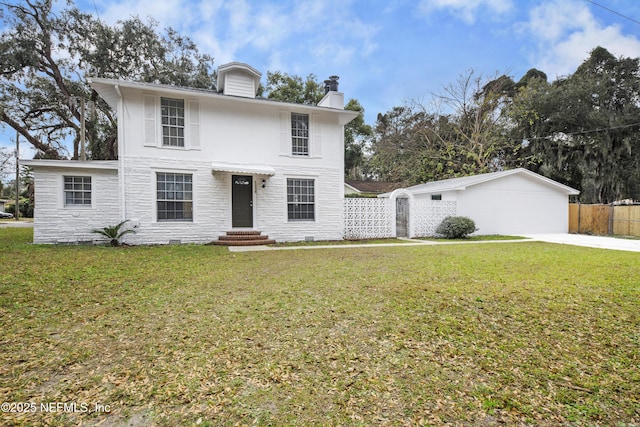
(456, 227)
(114, 232)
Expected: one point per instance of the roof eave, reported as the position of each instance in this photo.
(71, 164)
(109, 89)
(352, 188)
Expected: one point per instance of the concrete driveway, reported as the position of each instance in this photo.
(600, 242)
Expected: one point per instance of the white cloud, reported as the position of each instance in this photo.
(466, 10)
(165, 12)
(289, 32)
(566, 32)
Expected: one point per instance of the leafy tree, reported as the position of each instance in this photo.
(45, 58)
(462, 132)
(291, 88)
(583, 129)
(5, 163)
(533, 75)
(403, 145)
(356, 139)
(479, 122)
(390, 139)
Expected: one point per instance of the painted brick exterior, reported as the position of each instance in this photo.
(55, 223)
(251, 135)
(212, 203)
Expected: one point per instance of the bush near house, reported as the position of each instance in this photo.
(114, 232)
(456, 227)
(25, 206)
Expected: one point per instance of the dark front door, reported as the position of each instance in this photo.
(241, 201)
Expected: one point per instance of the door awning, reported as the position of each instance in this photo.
(243, 168)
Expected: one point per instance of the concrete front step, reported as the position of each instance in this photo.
(243, 238)
(244, 233)
(238, 237)
(243, 242)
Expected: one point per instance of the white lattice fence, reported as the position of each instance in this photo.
(368, 218)
(428, 214)
(374, 218)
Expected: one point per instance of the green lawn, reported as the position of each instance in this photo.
(479, 238)
(523, 333)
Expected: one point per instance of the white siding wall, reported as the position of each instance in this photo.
(217, 129)
(212, 203)
(447, 196)
(239, 85)
(234, 131)
(515, 204)
(55, 223)
(272, 205)
(140, 205)
(240, 133)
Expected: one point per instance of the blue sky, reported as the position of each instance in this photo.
(389, 51)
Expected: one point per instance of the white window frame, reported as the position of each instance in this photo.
(186, 196)
(78, 191)
(301, 199)
(299, 135)
(173, 124)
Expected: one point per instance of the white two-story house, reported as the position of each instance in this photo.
(195, 164)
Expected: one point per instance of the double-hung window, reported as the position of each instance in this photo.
(174, 196)
(299, 134)
(77, 191)
(172, 112)
(300, 199)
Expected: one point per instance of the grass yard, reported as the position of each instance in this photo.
(341, 242)
(479, 238)
(523, 333)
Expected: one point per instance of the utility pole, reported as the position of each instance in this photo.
(82, 130)
(17, 208)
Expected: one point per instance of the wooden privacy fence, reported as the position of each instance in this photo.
(604, 219)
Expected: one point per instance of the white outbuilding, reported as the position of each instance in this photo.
(515, 201)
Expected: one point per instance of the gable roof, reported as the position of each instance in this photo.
(373, 187)
(237, 66)
(459, 184)
(110, 91)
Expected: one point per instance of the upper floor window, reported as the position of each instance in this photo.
(77, 191)
(172, 113)
(299, 134)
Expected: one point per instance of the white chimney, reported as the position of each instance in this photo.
(332, 98)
